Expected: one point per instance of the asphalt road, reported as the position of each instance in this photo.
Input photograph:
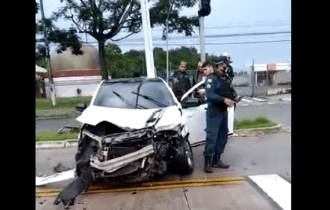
(279, 111)
(255, 155)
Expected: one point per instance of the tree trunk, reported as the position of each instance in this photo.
(103, 65)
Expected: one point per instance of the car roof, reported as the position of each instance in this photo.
(133, 80)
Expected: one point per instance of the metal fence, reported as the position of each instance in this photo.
(242, 82)
(263, 82)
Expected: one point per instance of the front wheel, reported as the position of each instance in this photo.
(184, 160)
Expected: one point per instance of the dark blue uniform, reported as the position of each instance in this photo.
(182, 86)
(218, 87)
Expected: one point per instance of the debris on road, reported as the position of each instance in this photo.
(60, 168)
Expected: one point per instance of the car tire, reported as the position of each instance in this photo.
(184, 159)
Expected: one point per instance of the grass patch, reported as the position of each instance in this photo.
(258, 122)
(54, 136)
(61, 103)
(64, 108)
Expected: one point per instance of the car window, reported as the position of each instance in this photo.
(141, 94)
(192, 90)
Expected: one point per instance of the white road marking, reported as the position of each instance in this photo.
(285, 99)
(55, 177)
(276, 188)
(244, 99)
(259, 99)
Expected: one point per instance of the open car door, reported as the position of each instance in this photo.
(194, 113)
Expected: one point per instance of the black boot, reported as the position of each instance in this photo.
(217, 163)
(207, 164)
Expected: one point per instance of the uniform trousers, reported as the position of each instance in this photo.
(216, 134)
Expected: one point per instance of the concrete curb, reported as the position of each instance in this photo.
(278, 91)
(270, 129)
(55, 117)
(56, 144)
(240, 132)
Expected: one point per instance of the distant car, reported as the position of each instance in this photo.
(133, 128)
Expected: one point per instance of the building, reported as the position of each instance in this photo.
(40, 74)
(270, 74)
(75, 75)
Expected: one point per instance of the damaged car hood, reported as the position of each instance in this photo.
(131, 118)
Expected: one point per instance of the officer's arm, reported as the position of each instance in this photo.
(211, 83)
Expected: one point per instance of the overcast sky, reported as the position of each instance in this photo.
(242, 20)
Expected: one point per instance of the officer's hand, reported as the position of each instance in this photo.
(229, 102)
(201, 91)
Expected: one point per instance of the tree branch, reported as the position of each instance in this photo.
(115, 40)
(120, 22)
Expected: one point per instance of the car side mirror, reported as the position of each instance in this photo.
(190, 102)
(81, 107)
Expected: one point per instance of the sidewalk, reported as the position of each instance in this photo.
(283, 97)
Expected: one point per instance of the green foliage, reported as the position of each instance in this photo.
(176, 23)
(38, 82)
(125, 65)
(65, 38)
(257, 122)
(103, 20)
(40, 59)
(61, 103)
(55, 136)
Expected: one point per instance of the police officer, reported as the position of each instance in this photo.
(220, 95)
(230, 70)
(180, 81)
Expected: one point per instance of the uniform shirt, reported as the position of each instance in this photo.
(218, 88)
(180, 88)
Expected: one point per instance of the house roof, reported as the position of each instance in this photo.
(40, 69)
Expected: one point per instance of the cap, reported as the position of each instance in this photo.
(227, 56)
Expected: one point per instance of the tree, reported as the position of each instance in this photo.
(104, 19)
(115, 60)
(65, 38)
(159, 59)
(189, 55)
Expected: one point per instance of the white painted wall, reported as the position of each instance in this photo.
(67, 86)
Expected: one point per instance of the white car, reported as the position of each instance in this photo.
(134, 128)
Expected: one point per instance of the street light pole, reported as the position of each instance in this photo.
(50, 74)
(253, 77)
(147, 39)
(167, 50)
(201, 34)
(167, 55)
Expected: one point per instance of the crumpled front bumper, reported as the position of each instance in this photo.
(112, 165)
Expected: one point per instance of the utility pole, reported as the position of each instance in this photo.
(147, 39)
(50, 74)
(167, 55)
(201, 34)
(252, 77)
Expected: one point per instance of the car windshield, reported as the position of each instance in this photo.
(134, 94)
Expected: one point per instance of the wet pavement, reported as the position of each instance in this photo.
(259, 154)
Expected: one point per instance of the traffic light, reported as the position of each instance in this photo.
(206, 8)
